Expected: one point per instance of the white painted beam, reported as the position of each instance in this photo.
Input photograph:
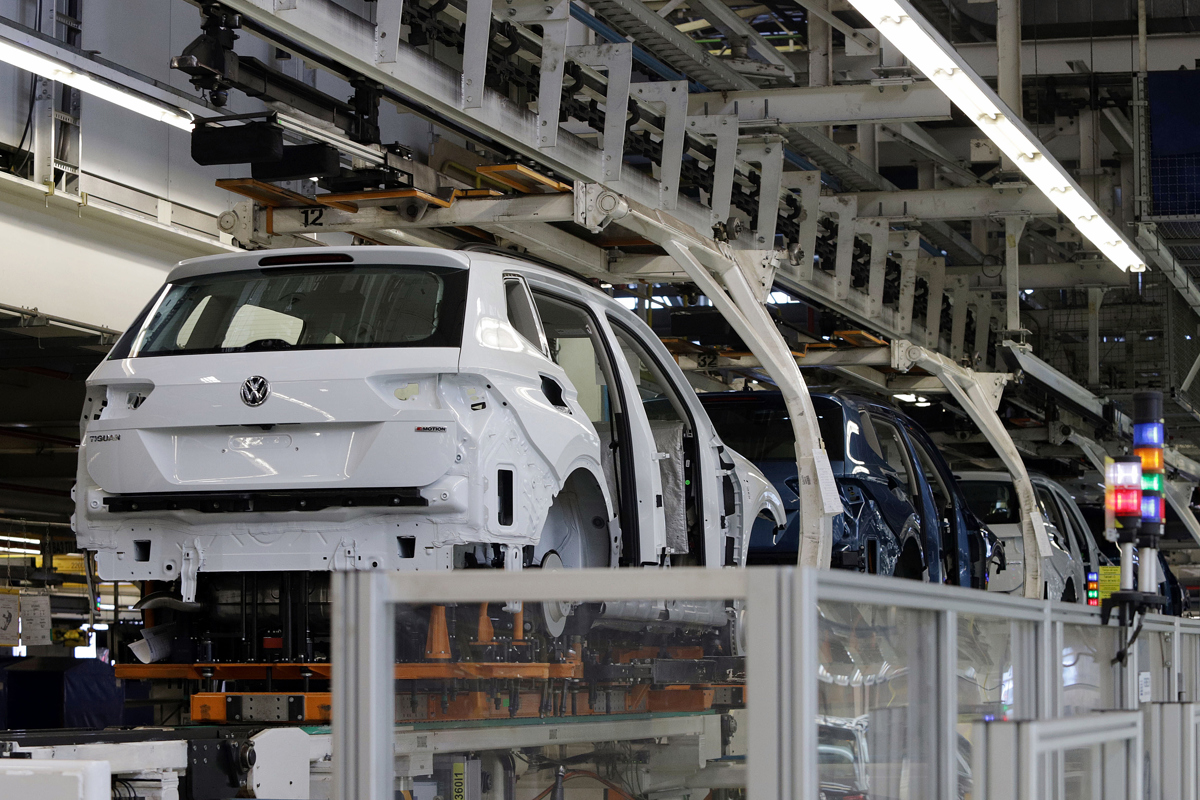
(949, 204)
(1046, 276)
(827, 105)
(1111, 54)
(91, 263)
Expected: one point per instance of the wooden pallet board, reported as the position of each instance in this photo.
(469, 193)
(265, 194)
(273, 196)
(352, 201)
(860, 338)
(522, 178)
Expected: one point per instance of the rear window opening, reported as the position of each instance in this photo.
(306, 309)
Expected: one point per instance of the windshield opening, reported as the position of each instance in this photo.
(994, 502)
(309, 308)
(760, 429)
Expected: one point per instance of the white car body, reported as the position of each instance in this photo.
(1073, 552)
(406, 446)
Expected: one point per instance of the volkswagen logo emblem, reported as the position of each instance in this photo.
(255, 391)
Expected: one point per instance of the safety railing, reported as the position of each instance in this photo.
(852, 685)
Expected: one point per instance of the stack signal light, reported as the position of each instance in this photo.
(1123, 488)
(1152, 458)
(1148, 434)
(1093, 588)
(1127, 502)
(1124, 473)
(1151, 507)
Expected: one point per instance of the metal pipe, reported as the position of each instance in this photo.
(91, 586)
(559, 774)
(254, 638)
(1143, 59)
(1008, 61)
(509, 767)
(305, 617)
(285, 615)
(1127, 566)
(1148, 570)
(114, 629)
(243, 616)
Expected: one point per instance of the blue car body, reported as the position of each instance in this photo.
(902, 515)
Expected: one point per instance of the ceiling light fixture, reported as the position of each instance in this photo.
(24, 551)
(936, 58)
(39, 64)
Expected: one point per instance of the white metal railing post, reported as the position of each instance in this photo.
(1047, 657)
(1055, 660)
(1176, 681)
(362, 686)
(805, 584)
(947, 704)
(1191, 746)
(770, 676)
(1025, 654)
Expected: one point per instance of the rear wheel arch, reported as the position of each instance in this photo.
(579, 525)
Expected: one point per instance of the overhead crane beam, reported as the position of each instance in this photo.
(972, 202)
(921, 101)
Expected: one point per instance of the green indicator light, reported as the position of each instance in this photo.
(1152, 482)
(1093, 594)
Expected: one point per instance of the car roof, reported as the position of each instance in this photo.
(233, 262)
(763, 396)
(423, 256)
(998, 476)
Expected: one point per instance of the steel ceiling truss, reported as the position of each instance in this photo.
(844, 251)
(858, 275)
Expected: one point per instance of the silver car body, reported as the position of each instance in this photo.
(443, 422)
(1072, 551)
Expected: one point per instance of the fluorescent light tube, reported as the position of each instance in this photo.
(23, 539)
(38, 64)
(932, 55)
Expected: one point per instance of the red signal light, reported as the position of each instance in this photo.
(1127, 502)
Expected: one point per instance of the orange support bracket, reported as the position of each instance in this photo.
(437, 640)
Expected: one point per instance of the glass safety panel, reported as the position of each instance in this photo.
(623, 699)
(877, 701)
(1088, 675)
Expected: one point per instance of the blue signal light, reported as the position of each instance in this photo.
(1151, 505)
(1148, 434)
(1093, 576)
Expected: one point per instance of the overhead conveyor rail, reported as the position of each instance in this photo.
(636, 182)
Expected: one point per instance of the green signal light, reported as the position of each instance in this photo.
(1152, 482)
